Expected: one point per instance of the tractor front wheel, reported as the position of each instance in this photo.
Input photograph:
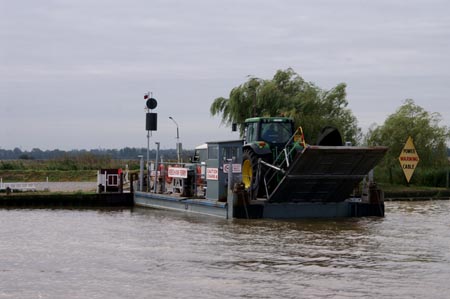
(249, 172)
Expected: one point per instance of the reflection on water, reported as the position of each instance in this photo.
(146, 253)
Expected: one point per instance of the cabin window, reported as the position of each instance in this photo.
(251, 132)
(213, 152)
(229, 153)
(113, 180)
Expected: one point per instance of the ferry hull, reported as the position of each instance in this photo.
(260, 209)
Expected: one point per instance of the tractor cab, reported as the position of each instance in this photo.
(265, 139)
(272, 131)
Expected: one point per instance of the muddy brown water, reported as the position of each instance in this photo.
(146, 253)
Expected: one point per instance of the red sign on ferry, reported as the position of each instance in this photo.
(177, 172)
(212, 174)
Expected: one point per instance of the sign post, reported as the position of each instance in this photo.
(408, 159)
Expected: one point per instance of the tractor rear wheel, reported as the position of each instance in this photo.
(250, 172)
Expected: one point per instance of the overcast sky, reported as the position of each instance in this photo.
(73, 73)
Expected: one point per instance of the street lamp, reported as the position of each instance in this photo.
(178, 139)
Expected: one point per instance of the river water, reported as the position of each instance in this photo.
(146, 253)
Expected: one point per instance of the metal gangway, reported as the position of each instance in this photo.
(318, 173)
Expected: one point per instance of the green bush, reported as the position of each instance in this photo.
(11, 165)
(429, 177)
(432, 177)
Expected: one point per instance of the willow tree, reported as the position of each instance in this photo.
(288, 94)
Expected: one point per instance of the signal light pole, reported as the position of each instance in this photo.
(150, 125)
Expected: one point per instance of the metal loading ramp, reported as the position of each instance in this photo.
(326, 173)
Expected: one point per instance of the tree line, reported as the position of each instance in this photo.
(126, 153)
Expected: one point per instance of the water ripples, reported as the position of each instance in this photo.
(145, 253)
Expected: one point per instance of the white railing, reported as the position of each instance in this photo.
(17, 186)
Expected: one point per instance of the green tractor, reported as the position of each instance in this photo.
(267, 139)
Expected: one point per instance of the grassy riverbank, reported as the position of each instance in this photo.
(417, 192)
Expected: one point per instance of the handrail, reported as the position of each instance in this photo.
(283, 159)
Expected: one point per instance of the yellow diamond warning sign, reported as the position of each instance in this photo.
(408, 159)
